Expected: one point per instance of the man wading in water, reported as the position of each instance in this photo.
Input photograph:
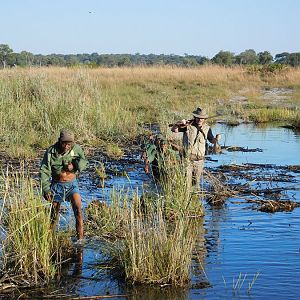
(160, 154)
(61, 162)
(195, 134)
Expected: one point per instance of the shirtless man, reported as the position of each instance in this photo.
(60, 164)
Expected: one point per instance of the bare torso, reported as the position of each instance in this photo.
(65, 176)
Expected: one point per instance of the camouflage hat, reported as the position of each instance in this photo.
(66, 136)
(200, 113)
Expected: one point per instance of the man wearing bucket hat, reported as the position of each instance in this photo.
(60, 165)
(196, 133)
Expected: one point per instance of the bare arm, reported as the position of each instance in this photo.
(180, 126)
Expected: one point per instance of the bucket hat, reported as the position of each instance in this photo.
(200, 113)
(66, 135)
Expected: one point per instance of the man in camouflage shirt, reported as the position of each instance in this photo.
(160, 154)
(60, 165)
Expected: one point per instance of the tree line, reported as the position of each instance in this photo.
(9, 58)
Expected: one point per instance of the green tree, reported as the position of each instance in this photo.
(24, 58)
(248, 57)
(224, 58)
(124, 61)
(5, 53)
(282, 58)
(40, 60)
(55, 60)
(189, 61)
(294, 59)
(71, 60)
(202, 60)
(265, 58)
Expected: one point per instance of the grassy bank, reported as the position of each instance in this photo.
(112, 104)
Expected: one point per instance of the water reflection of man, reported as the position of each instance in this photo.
(78, 260)
(196, 133)
(60, 165)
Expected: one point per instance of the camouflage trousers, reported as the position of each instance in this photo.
(194, 172)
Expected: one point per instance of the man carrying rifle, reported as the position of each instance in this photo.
(61, 162)
(195, 135)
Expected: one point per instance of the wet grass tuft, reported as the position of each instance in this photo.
(153, 250)
(32, 254)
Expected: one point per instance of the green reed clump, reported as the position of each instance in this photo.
(154, 251)
(296, 120)
(142, 245)
(177, 195)
(113, 150)
(32, 252)
(271, 115)
(101, 173)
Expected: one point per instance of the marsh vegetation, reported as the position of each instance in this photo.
(32, 252)
(148, 238)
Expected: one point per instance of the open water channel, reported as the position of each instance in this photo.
(240, 242)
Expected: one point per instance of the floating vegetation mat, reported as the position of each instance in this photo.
(270, 187)
(241, 149)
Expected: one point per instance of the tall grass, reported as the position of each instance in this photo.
(177, 195)
(31, 252)
(273, 115)
(296, 120)
(113, 104)
(154, 251)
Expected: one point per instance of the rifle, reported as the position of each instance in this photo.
(184, 124)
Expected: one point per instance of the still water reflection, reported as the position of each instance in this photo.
(244, 241)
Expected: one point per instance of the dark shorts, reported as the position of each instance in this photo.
(63, 191)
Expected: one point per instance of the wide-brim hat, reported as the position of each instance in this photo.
(66, 136)
(200, 113)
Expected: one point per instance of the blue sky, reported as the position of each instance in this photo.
(202, 27)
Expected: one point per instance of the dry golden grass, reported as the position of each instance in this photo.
(112, 104)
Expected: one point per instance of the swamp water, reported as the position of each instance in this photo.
(241, 243)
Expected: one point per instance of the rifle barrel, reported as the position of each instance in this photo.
(188, 122)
